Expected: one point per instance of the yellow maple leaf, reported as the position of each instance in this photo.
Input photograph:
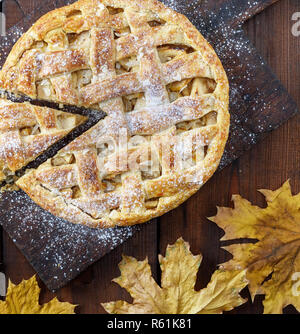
(272, 262)
(176, 294)
(24, 299)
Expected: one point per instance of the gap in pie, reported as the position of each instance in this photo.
(26, 131)
(14, 111)
(165, 95)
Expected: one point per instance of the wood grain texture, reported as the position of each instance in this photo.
(267, 165)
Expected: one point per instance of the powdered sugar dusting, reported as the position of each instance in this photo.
(183, 6)
(8, 41)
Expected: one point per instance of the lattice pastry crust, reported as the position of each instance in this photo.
(165, 94)
(26, 131)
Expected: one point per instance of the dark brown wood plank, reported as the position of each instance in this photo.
(28, 6)
(277, 158)
(15, 13)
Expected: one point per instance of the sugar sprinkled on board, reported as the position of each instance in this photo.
(182, 6)
(62, 248)
(8, 40)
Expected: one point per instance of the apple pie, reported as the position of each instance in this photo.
(163, 90)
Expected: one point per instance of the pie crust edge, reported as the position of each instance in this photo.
(57, 205)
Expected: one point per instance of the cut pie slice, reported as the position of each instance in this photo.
(165, 94)
(27, 130)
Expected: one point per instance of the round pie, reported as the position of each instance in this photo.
(165, 95)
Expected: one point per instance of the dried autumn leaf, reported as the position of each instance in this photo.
(176, 294)
(273, 261)
(24, 299)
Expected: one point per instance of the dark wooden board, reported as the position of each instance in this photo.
(58, 251)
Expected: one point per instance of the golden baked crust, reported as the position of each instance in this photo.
(27, 130)
(165, 93)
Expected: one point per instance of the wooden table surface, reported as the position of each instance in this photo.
(267, 165)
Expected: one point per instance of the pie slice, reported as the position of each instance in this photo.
(27, 130)
(165, 94)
